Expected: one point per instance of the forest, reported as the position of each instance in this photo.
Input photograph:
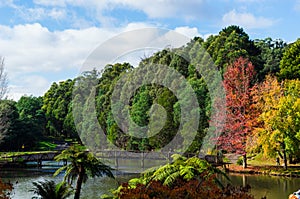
(260, 79)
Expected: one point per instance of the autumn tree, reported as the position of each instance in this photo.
(278, 132)
(237, 83)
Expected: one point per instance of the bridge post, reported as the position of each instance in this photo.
(142, 162)
(116, 160)
(169, 156)
(39, 163)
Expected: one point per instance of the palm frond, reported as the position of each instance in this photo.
(170, 179)
(44, 189)
(58, 171)
(187, 172)
(63, 191)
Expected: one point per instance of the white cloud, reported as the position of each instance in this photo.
(187, 31)
(157, 9)
(33, 49)
(297, 5)
(192, 32)
(50, 3)
(32, 14)
(28, 85)
(36, 56)
(167, 8)
(57, 13)
(246, 20)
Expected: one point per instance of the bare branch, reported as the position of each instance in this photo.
(3, 80)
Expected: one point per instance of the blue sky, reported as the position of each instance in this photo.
(48, 40)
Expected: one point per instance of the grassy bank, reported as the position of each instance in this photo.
(260, 165)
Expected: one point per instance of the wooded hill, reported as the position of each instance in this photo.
(262, 90)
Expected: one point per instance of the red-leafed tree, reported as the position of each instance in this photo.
(239, 114)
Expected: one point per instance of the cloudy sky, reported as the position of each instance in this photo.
(48, 40)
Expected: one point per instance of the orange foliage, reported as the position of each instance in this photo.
(5, 189)
(239, 117)
(292, 196)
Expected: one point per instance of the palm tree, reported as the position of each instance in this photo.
(82, 165)
(50, 190)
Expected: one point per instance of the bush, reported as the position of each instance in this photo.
(202, 189)
(183, 178)
(240, 161)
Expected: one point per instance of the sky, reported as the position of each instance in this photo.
(46, 41)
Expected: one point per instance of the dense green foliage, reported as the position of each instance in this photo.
(31, 120)
(271, 54)
(57, 106)
(23, 123)
(290, 62)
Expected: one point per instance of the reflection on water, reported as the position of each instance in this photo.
(272, 187)
(22, 182)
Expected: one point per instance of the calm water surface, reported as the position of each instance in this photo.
(271, 187)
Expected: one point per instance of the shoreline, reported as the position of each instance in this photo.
(292, 172)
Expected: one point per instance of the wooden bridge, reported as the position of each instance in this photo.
(115, 156)
(165, 156)
(152, 155)
(33, 157)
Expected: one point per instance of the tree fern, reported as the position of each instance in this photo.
(49, 190)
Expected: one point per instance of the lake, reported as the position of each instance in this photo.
(273, 187)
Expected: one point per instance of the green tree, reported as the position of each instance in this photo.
(8, 123)
(49, 190)
(82, 164)
(290, 62)
(32, 120)
(56, 105)
(271, 54)
(230, 44)
(105, 87)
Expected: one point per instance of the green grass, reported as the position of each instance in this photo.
(6, 156)
(269, 166)
(45, 146)
(259, 160)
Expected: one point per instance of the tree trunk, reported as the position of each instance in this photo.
(244, 161)
(284, 159)
(79, 183)
(291, 159)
